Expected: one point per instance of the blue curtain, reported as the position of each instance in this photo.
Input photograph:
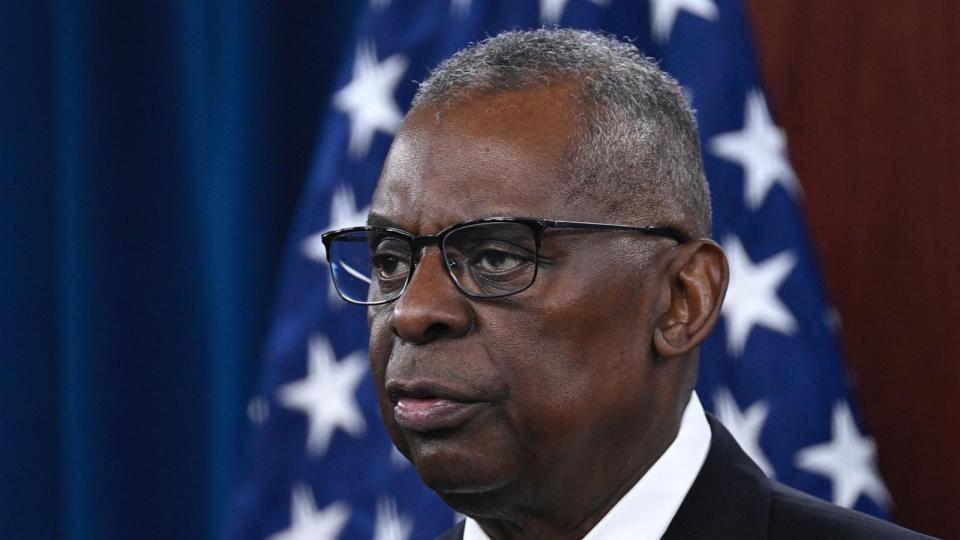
(151, 154)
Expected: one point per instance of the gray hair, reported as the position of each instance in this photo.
(636, 150)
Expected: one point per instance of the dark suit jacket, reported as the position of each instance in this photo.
(732, 499)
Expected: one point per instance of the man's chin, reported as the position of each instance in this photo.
(462, 474)
(477, 456)
(476, 495)
(481, 504)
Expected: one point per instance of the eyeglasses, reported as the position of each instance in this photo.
(486, 258)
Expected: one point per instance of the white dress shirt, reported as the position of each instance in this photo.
(646, 511)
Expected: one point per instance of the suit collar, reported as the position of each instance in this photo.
(730, 497)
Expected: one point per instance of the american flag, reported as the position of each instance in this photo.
(321, 464)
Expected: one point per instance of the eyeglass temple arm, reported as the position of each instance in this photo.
(669, 232)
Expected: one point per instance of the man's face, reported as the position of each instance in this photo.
(512, 399)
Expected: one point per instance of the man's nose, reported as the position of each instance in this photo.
(431, 307)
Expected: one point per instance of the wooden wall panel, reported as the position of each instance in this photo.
(868, 93)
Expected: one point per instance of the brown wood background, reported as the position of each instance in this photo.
(868, 92)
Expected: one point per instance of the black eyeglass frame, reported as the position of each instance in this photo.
(536, 225)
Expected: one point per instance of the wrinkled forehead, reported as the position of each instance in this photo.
(487, 155)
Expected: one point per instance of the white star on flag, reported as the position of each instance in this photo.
(308, 523)
(663, 13)
(343, 214)
(327, 395)
(460, 7)
(380, 4)
(745, 426)
(848, 460)
(551, 11)
(390, 525)
(832, 319)
(752, 295)
(761, 149)
(368, 99)
(258, 411)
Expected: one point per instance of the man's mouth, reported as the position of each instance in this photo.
(424, 408)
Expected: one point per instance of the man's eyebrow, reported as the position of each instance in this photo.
(377, 220)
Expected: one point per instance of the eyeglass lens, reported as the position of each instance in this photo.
(485, 260)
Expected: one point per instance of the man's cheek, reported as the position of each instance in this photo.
(380, 348)
(381, 337)
(377, 313)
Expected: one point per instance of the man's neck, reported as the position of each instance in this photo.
(569, 517)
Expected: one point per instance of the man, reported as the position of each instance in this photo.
(539, 276)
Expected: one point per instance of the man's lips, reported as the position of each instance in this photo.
(431, 414)
(429, 407)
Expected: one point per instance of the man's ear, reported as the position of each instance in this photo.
(698, 278)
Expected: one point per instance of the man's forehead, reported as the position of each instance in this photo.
(490, 154)
(540, 118)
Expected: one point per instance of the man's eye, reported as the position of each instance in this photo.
(389, 266)
(495, 260)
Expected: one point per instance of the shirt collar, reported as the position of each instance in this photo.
(647, 509)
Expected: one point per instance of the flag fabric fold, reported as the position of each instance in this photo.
(321, 465)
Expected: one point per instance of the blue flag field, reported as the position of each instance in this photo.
(322, 467)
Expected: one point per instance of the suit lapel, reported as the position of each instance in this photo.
(730, 497)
